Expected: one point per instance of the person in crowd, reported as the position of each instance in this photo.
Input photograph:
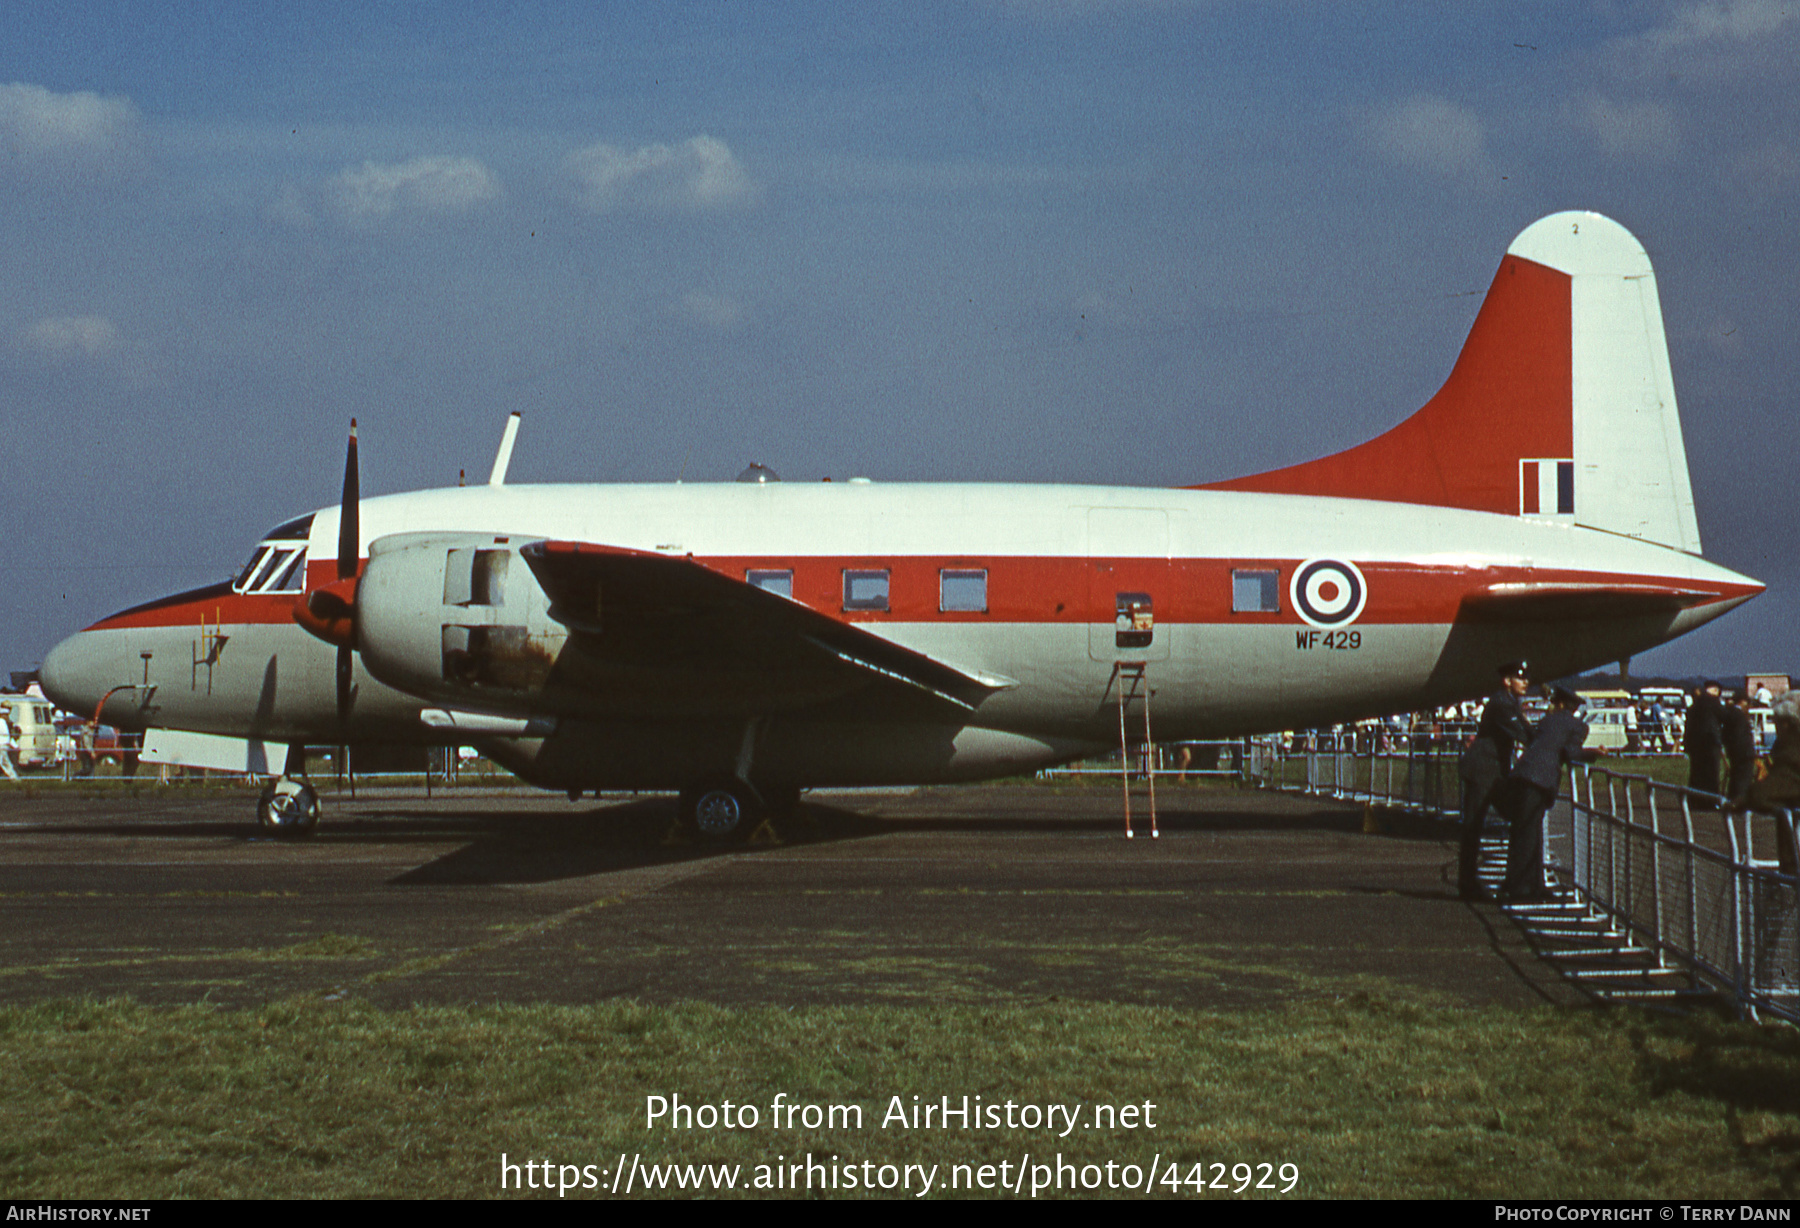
(6, 748)
(1740, 747)
(1779, 789)
(1703, 738)
(1484, 765)
(1533, 785)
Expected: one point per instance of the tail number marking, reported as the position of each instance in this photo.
(1341, 640)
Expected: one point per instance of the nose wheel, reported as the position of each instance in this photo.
(288, 808)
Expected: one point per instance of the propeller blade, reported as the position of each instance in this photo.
(349, 542)
(344, 659)
(349, 512)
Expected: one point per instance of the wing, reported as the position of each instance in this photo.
(666, 635)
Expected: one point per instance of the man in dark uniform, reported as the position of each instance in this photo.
(1740, 747)
(1483, 768)
(1536, 778)
(1702, 737)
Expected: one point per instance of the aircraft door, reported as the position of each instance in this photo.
(1128, 582)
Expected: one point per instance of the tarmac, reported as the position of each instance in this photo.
(1009, 892)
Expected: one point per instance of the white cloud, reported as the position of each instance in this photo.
(1644, 131)
(427, 185)
(78, 134)
(1720, 40)
(33, 120)
(699, 174)
(91, 345)
(1732, 21)
(64, 337)
(1433, 134)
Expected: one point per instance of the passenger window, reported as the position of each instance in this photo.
(781, 583)
(1256, 592)
(865, 590)
(962, 591)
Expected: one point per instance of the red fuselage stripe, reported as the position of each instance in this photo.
(1025, 590)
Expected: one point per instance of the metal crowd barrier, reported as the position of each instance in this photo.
(1707, 891)
(1405, 769)
(1712, 894)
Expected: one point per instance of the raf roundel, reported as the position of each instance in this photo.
(1328, 592)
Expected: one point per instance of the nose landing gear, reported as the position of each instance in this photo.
(288, 808)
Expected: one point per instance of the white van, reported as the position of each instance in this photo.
(1612, 719)
(1611, 728)
(34, 729)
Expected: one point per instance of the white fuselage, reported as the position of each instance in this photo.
(1057, 564)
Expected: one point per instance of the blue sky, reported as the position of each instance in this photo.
(1123, 243)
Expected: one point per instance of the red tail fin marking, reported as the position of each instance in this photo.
(1508, 397)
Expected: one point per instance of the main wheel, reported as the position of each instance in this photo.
(721, 813)
(288, 808)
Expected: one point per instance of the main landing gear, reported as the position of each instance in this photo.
(721, 811)
(289, 806)
(726, 810)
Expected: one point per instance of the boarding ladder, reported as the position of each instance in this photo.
(1131, 683)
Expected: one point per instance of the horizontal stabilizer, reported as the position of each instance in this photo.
(1533, 602)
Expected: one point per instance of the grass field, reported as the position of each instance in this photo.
(1369, 1096)
(1380, 1094)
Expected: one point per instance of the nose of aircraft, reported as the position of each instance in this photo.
(74, 675)
(61, 676)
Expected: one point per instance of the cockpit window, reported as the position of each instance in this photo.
(278, 564)
(276, 567)
(242, 583)
(290, 576)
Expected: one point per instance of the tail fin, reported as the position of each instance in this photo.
(1560, 406)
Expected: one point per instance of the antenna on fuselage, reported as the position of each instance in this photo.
(503, 457)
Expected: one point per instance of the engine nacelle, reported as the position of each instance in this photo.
(457, 618)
